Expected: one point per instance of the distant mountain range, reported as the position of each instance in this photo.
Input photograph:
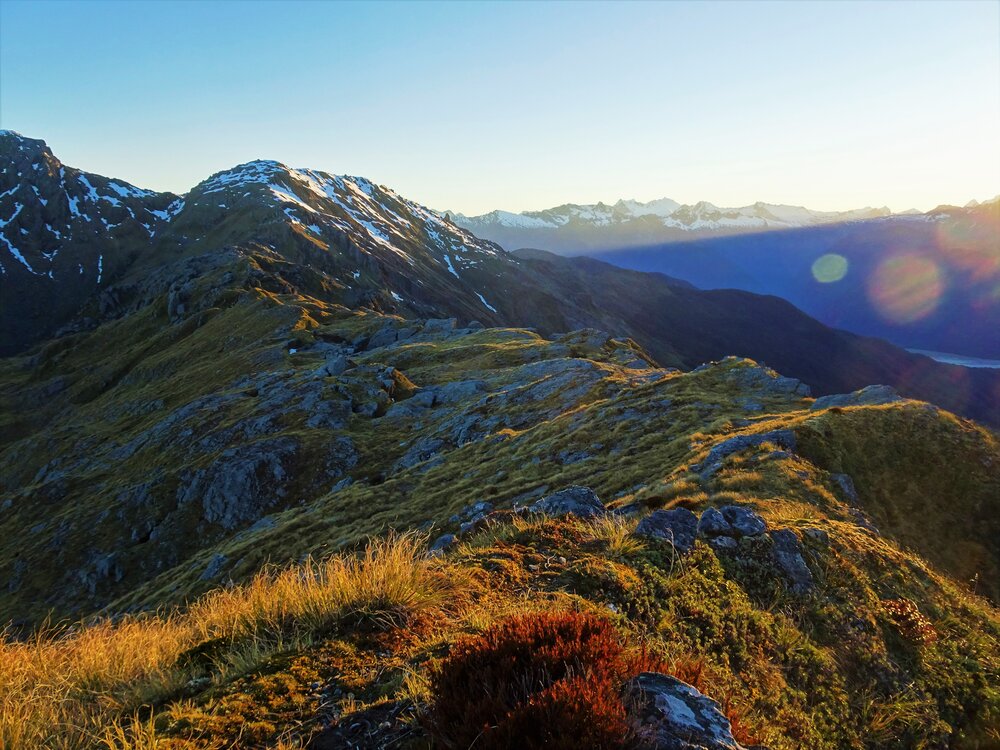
(921, 280)
(573, 228)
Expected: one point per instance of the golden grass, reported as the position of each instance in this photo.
(616, 534)
(87, 686)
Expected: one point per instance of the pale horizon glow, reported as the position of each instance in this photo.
(472, 107)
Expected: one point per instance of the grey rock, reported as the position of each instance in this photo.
(713, 523)
(575, 500)
(764, 380)
(744, 521)
(242, 483)
(861, 519)
(423, 398)
(449, 393)
(629, 510)
(343, 484)
(872, 395)
(787, 554)
(424, 449)
(817, 535)
(846, 484)
(713, 461)
(440, 325)
(727, 543)
(678, 526)
(672, 715)
(335, 365)
(568, 379)
(383, 337)
(214, 567)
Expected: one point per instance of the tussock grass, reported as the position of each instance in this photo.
(92, 685)
(616, 534)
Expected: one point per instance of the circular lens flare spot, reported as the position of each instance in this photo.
(906, 288)
(829, 268)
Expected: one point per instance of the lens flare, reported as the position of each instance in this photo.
(906, 288)
(971, 246)
(829, 268)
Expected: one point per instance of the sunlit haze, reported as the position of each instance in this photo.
(477, 106)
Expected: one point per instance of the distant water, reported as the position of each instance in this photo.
(959, 359)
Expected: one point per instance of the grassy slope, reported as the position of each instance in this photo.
(274, 662)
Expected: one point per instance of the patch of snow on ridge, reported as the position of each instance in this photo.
(451, 268)
(130, 191)
(10, 246)
(481, 299)
(91, 194)
(16, 253)
(282, 193)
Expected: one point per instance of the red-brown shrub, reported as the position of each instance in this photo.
(909, 621)
(551, 680)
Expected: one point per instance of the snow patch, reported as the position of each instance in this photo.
(481, 299)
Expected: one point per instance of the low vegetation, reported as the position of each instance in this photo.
(402, 645)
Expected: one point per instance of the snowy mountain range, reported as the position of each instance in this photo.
(699, 217)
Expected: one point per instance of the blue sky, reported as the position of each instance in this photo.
(475, 106)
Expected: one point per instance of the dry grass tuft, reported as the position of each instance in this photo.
(82, 687)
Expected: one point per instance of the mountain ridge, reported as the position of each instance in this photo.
(352, 242)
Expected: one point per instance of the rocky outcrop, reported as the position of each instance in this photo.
(672, 715)
(787, 554)
(678, 526)
(242, 484)
(577, 501)
(784, 439)
(732, 521)
(872, 395)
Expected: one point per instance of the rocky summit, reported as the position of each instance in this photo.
(292, 461)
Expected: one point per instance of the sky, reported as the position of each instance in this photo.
(519, 106)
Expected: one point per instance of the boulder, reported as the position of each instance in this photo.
(744, 521)
(382, 337)
(422, 450)
(846, 485)
(678, 526)
(576, 501)
(672, 715)
(713, 523)
(335, 365)
(440, 325)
